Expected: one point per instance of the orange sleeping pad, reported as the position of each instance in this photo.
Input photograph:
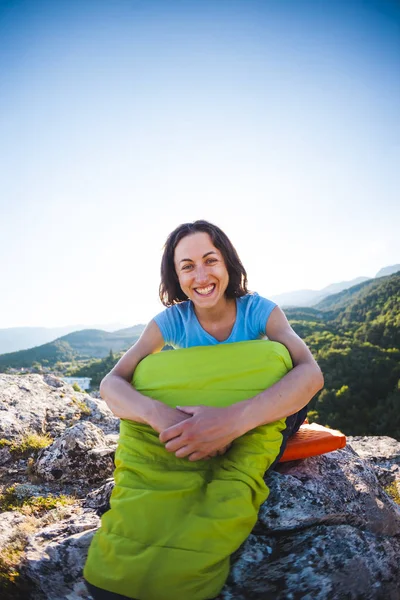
(311, 440)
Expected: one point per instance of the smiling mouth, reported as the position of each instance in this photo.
(205, 291)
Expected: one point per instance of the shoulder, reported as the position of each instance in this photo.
(255, 311)
(172, 321)
(254, 301)
(175, 311)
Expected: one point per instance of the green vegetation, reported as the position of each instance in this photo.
(355, 337)
(97, 369)
(10, 557)
(31, 505)
(393, 491)
(85, 410)
(76, 387)
(11, 554)
(30, 443)
(86, 344)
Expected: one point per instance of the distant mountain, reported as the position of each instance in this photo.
(335, 288)
(364, 294)
(88, 343)
(388, 271)
(312, 297)
(13, 339)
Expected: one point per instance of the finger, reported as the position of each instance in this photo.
(175, 444)
(171, 432)
(198, 456)
(183, 452)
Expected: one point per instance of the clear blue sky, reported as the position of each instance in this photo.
(277, 120)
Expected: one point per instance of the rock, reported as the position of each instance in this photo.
(376, 449)
(53, 381)
(9, 522)
(101, 415)
(99, 499)
(316, 564)
(328, 531)
(335, 488)
(5, 455)
(55, 556)
(81, 452)
(383, 454)
(326, 519)
(45, 404)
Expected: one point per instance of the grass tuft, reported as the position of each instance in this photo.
(32, 505)
(85, 410)
(393, 491)
(30, 442)
(10, 558)
(4, 443)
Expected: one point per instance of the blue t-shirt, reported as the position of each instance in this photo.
(180, 326)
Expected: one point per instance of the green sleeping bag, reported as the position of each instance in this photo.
(173, 524)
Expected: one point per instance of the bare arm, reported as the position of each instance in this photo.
(126, 402)
(210, 427)
(293, 391)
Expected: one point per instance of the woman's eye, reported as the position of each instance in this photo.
(186, 267)
(211, 260)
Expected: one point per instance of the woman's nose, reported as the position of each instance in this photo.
(201, 274)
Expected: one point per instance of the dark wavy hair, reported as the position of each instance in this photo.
(170, 290)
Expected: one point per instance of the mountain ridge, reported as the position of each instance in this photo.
(13, 339)
(306, 297)
(77, 345)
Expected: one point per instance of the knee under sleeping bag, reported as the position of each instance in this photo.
(173, 523)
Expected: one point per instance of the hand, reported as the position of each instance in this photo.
(164, 417)
(218, 452)
(209, 431)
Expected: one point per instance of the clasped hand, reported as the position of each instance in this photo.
(203, 432)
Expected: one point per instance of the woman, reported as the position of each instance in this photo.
(204, 286)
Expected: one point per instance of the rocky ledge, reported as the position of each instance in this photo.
(328, 530)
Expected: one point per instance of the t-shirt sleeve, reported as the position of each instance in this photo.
(167, 323)
(261, 309)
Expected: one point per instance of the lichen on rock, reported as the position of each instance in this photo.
(81, 452)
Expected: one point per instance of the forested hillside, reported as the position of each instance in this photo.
(85, 344)
(355, 337)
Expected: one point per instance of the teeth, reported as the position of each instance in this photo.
(205, 290)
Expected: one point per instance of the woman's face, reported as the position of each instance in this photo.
(201, 270)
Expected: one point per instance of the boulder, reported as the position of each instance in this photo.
(327, 531)
(383, 454)
(99, 499)
(326, 519)
(10, 523)
(45, 404)
(81, 452)
(55, 555)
